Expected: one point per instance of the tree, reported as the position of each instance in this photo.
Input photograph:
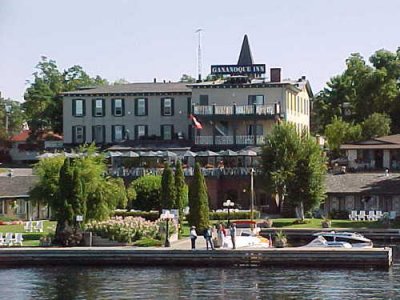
(148, 193)
(15, 118)
(198, 200)
(43, 101)
(168, 191)
(77, 186)
(339, 132)
(187, 78)
(306, 187)
(376, 125)
(364, 89)
(279, 157)
(181, 191)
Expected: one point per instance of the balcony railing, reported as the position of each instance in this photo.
(230, 140)
(235, 110)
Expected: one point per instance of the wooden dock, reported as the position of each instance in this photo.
(287, 257)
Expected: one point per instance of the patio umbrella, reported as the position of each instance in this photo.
(189, 153)
(113, 154)
(207, 153)
(247, 153)
(169, 154)
(130, 154)
(148, 154)
(228, 153)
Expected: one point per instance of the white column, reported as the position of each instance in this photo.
(386, 159)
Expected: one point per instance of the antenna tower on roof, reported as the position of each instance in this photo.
(199, 66)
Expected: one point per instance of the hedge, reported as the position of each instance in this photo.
(240, 215)
(148, 215)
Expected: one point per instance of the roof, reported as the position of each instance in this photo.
(21, 137)
(365, 183)
(245, 57)
(44, 136)
(157, 87)
(384, 142)
(16, 186)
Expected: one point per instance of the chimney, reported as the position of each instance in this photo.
(155, 80)
(275, 74)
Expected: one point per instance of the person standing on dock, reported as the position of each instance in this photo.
(193, 236)
(232, 231)
(207, 237)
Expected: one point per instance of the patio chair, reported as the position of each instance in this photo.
(371, 216)
(39, 226)
(1, 239)
(28, 227)
(18, 239)
(392, 215)
(9, 239)
(361, 216)
(378, 214)
(353, 215)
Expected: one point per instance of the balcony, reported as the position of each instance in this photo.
(230, 140)
(237, 111)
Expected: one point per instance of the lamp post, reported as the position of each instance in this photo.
(228, 203)
(8, 110)
(252, 194)
(167, 216)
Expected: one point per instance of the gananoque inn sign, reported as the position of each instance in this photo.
(235, 69)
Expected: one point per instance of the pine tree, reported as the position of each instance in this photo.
(181, 191)
(168, 192)
(198, 201)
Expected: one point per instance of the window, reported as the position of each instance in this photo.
(98, 107)
(203, 100)
(118, 107)
(78, 107)
(167, 132)
(98, 134)
(141, 131)
(141, 107)
(118, 133)
(167, 108)
(78, 134)
(21, 207)
(256, 99)
(255, 130)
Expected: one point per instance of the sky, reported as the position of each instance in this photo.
(142, 40)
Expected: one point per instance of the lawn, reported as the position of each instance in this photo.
(30, 238)
(316, 223)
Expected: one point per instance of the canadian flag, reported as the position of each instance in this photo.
(196, 123)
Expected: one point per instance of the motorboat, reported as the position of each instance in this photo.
(335, 239)
(321, 242)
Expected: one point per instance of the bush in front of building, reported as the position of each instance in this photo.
(239, 215)
(147, 215)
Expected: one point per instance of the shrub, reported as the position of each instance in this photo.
(299, 221)
(240, 215)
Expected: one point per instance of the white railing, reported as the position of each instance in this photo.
(204, 140)
(203, 110)
(264, 110)
(229, 110)
(260, 140)
(244, 109)
(223, 110)
(245, 139)
(224, 140)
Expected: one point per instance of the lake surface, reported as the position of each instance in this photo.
(197, 283)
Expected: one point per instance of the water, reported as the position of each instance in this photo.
(197, 283)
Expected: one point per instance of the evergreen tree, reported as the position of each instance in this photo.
(168, 192)
(198, 201)
(181, 191)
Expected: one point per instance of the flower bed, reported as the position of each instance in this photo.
(126, 230)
